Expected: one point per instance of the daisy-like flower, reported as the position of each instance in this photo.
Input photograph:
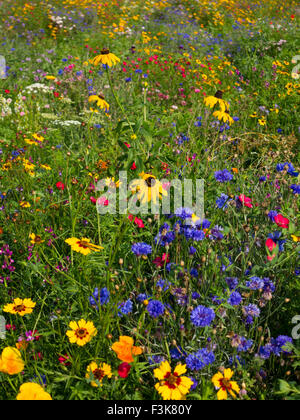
(148, 188)
(24, 204)
(96, 373)
(222, 381)
(84, 245)
(172, 386)
(296, 238)
(99, 99)
(211, 101)
(31, 391)
(106, 58)
(125, 349)
(224, 116)
(20, 307)
(35, 239)
(81, 332)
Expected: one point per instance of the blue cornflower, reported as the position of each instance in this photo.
(155, 308)
(221, 201)
(177, 353)
(125, 308)
(295, 188)
(163, 285)
(232, 282)
(141, 248)
(142, 297)
(256, 283)
(184, 213)
(95, 299)
(244, 345)
(279, 343)
(202, 316)
(200, 359)
(223, 176)
(251, 310)
(235, 299)
(192, 250)
(272, 214)
(265, 352)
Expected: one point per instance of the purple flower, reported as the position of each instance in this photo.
(202, 316)
(155, 308)
(141, 248)
(223, 176)
(235, 299)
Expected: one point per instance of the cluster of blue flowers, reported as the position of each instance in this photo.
(200, 359)
(141, 248)
(202, 316)
(276, 347)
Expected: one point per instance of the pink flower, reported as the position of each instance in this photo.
(124, 369)
(246, 201)
(282, 221)
(102, 201)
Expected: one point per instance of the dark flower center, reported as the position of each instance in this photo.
(225, 384)
(19, 308)
(98, 374)
(81, 333)
(149, 182)
(105, 51)
(219, 94)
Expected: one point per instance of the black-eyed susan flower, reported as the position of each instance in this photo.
(81, 332)
(35, 239)
(100, 102)
(83, 246)
(148, 188)
(222, 381)
(20, 307)
(106, 57)
(96, 373)
(172, 386)
(224, 116)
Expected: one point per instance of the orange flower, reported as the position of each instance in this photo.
(11, 361)
(125, 349)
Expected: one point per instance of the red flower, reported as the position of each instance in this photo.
(124, 369)
(60, 185)
(270, 244)
(281, 221)
(56, 94)
(246, 201)
(137, 221)
(161, 261)
(133, 167)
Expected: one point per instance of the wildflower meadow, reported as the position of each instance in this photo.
(149, 200)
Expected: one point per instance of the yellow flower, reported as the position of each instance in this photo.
(97, 373)
(82, 332)
(262, 121)
(106, 58)
(296, 238)
(101, 103)
(20, 307)
(222, 382)
(83, 245)
(223, 115)
(148, 188)
(50, 77)
(11, 361)
(24, 204)
(31, 391)
(172, 386)
(35, 239)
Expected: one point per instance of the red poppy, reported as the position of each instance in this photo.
(124, 369)
(133, 167)
(60, 185)
(246, 201)
(282, 221)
